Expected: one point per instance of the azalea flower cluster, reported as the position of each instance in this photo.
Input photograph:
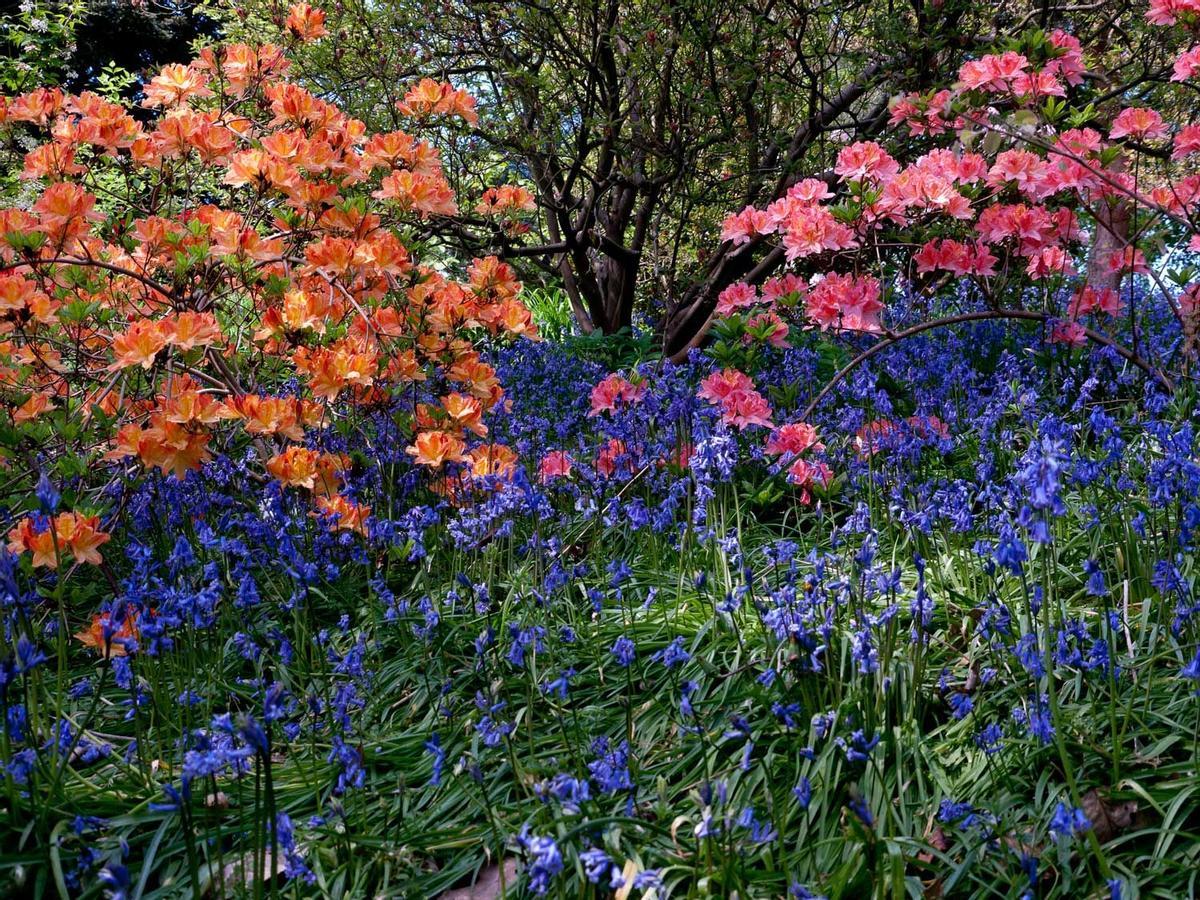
(1032, 205)
(228, 262)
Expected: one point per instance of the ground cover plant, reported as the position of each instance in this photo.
(326, 575)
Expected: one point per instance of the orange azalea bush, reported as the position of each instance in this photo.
(233, 260)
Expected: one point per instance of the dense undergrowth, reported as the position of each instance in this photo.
(324, 577)
(967, 666)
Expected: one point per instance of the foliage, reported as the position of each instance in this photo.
(34, 38)
(889, 590)
(638, 126)
(551, 311)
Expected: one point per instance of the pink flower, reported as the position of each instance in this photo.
(614, 391)
(782, 285)
(1089, 299)
(741, 405)
(793, 438)
(1070, 333)
(923, 115)
(810, 190)
(1167, 12)
(680, 456)
(809, 230)
(613, 456)
(865, 161)
(992, 72)
(1187, 142)
(1187, 65)
(1049, 262)
(719, 385)
(770, 325)
(846, 302)
(925, 426)
(805, 474)
(735, 297)
(555, 464)
(1037, 84)
(872, 437)
(1138, 122)
(741, 409)
(956, 258)
(1023, 168)
(1069, 67)
(1127, 259)
(1032, 226)
(1189, 301)
(1080, 141)
(742, 227)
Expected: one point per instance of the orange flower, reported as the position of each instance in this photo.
(465, 412)
(300, 310)
(80, 534)
(436, 448)
(493, 277)
(66, 212)
(54, 161)
(16, 293)
(139, 344)
(492, 460)
(94, 636)
(176, 84)
(243, 64)
(348, 515)
(505, 200)
(306, 23)
(394, 150)
(35, 538)
(334, 368)
(273, 415)
(479, 375)
(192, 329)
(248, 167)
(188, 405)
(32, 408)
(430, 97)
(73, 533)
(38, 106)
(169, 446)
(311, 469)
(330, 255)
(514, 318)
(429, 194)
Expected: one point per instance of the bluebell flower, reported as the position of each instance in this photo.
(624, 650)
(799, 892)
(1192, 670)
(647, 879)
(1030, 656)
(114, 878)
(434, 747)
(673, 654)
(803, 792)
(1068, 821)
(598, 866)
(543, 860)
(29, 656)
(1095, 579)
(960, 704)
(47, 495)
